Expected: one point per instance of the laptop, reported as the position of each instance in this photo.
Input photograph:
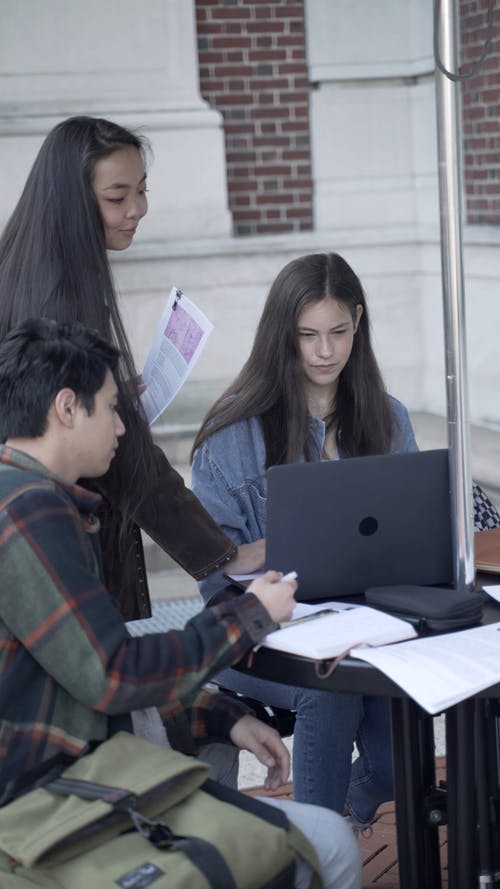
(346, 525)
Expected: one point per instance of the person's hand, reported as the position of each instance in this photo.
(277, 596)
(249, 558)
(136, 385)
(251, 734)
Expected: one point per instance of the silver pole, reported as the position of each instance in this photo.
(450, 195)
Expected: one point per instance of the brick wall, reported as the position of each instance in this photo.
(481, 115)
(253, 69)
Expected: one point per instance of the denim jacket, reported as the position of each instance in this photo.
(229, 475)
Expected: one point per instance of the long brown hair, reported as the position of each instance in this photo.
(270, 385)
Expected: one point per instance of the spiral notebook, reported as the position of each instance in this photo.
(346, 525)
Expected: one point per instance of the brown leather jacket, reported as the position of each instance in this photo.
(175, 519)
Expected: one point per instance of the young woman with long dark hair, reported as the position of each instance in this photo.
(86, 194)
(311, 390)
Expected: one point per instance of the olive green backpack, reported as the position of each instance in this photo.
(134, 815)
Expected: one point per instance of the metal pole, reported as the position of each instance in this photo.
(450, 178)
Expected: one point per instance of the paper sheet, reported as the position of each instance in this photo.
(439, 671)
(493, 591)
(178, 343)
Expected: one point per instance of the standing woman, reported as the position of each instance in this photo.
(310, 390)
(86, 194)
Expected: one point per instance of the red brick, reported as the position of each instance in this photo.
(232, 12)
(265, 27)
(210, 28)
(268, 198)
(298, 213)
(276, 170)
(266, 55)
(294, 155)
(296, 126)
(209, 57)
(290, 40)
(275, 141)
(235, 98)
(291, 68)
(231, 42)
(278, 228)
(249, 214)
(242, 157)
(291, 11)
(294, 96)
(232, 70)
(269, 83)
(299, 182)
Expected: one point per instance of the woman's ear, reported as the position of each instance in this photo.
(65, 404)
(359, 312)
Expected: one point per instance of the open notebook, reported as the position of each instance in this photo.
(333, 628)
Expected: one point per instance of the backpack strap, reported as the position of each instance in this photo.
(299, 843)
(202, 854)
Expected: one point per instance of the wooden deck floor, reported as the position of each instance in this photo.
(379, 851)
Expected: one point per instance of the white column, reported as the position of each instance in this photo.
(373, 113)
(135, 63)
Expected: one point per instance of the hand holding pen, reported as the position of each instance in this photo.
(276, 593)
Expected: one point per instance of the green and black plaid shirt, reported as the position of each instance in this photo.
(70, 674)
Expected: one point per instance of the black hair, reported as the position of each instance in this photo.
(54, 264)
(40, 357)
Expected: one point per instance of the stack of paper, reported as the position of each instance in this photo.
(333, 628)
(439, 671)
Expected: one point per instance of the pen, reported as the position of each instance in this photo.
(292, 575)
(301, 620)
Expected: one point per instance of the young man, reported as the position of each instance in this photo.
(70, 674)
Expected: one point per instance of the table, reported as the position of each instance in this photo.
(472, 756)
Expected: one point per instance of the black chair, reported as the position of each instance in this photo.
(278, 718)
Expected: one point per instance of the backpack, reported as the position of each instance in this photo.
(134, 815)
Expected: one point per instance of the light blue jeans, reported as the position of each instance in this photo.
(327, 724)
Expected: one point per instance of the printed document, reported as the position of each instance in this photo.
(439, 671)
(329, 629)
(178, 343)
(493, 591)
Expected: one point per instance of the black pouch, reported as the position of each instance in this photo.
(428, 608)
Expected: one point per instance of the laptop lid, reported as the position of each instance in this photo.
(346, 525)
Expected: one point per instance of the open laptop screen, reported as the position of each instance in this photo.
(346, 525)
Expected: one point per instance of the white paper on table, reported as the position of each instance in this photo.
(439, 671)
(493, 591)
(239, 578)
(330, 635)
(178, 343)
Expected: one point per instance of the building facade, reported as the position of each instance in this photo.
(278, 128)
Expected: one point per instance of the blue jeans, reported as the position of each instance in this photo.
(326, 726)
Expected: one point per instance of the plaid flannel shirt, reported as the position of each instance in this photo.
(70, 674)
